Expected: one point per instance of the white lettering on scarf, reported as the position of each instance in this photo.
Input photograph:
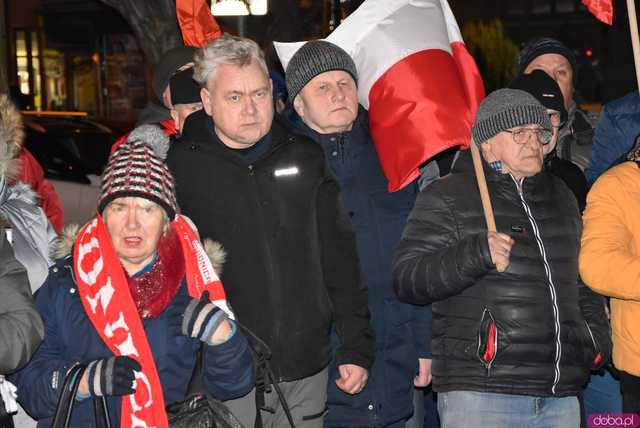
(138, 423)
(104, 294)
(125, 347)
(205, 268)
(147, 385)
(89, 277)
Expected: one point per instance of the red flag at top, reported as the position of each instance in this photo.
(602, 9)
(416, 78)
(196, 22)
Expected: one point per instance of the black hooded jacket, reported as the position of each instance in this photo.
(292, 267)
(531, 330)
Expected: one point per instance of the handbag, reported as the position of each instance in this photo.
(67, 400)
(201, 411)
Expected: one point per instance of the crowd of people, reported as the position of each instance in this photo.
(325, 300)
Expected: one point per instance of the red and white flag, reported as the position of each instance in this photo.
(416, 78)
(601, 9)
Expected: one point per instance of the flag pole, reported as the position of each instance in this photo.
(633, 27)
(484, 195)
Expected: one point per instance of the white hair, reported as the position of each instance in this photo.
(226, 50)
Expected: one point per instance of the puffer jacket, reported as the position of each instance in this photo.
(21, 328)
(71, 337)
(610, 256)
(617, 129)
(531, 330)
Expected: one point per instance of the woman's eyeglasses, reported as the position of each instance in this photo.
(522, 135)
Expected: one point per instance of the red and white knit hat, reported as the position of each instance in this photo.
(137, 168)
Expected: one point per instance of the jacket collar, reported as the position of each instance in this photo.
(464, 165)
(359, 132)
(200, 133)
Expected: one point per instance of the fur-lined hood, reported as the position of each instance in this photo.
(11, 137)
(64, 246)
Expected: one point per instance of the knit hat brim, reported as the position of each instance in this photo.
(314, 58)
(505, 109)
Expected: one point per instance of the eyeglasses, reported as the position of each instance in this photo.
(522, 135)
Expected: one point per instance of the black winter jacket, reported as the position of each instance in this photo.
(292, 267)
(532, 330)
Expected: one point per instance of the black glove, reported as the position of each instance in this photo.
(112, 376)
(198, 319)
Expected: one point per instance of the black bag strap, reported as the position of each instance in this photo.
(67, 399)
(264, 376)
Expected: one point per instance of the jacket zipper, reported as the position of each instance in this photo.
(598, 355)
(552, 288)
(267, 247)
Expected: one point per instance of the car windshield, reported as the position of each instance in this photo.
(68, 149)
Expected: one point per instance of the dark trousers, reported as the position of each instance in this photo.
(630, 387)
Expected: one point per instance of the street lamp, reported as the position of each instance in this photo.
(238, 7)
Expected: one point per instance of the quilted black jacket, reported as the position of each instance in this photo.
(534, 329)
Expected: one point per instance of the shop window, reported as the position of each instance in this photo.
(29, 65)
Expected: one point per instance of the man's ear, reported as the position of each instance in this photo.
(298, 105)
(205, 96)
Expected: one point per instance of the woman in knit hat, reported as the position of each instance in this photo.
(513, 347)
(135, 301)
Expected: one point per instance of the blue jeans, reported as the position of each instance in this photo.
(483, 409)
(602, 395)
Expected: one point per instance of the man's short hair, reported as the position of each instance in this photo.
(226, 50)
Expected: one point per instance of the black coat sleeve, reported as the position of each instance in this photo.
(432, 262)
(341, 269)
(592, 306)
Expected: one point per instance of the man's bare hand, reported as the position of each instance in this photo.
(352, 378)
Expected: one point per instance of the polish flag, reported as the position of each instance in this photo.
(602, 9)
(416, 78)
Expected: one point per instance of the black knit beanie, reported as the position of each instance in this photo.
(545, 45)
(544, 88)
(313, 58)
(184, 90)
(507, 108)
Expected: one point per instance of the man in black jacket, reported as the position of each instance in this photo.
(268, 196)
(510, 348)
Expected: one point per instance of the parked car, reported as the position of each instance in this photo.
(73, 151)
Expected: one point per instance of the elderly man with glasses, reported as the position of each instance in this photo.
(511, 347)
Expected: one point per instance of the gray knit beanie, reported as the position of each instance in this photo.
(507, 108)
(313, 58)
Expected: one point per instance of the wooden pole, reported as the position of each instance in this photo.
(633, 27)
(484, 195)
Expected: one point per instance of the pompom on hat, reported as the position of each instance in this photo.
(137, 168)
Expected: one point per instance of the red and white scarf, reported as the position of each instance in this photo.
(104, 292)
